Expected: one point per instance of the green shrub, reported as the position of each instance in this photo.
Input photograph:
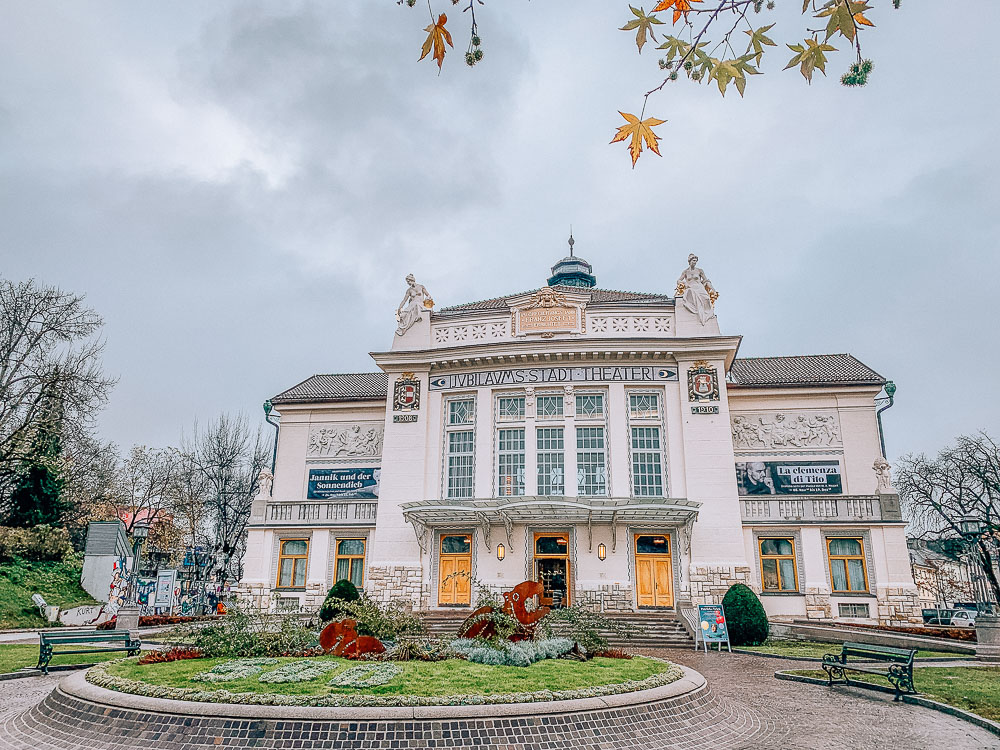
(342, 592)
(745, 617)
(38, 544)
(385, 622)
(250, 633)
(511, 654)
(583, 627)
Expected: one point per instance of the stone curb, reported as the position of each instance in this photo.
(32, 672)
(818, 659)
(76, 686)
(916, 700)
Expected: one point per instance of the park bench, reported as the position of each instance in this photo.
(899, 671)
(107, 640)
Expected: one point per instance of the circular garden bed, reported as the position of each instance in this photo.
(332, 681)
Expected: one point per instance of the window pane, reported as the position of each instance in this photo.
(769, 574)
(590, 405)
(839, 574)
(461, 412)
(652, 545)
(856, 571)
(294, 547)
(510, 462)
(510, 408)
(285, 573)
(551, 545)
(775, 546)
(788, 582)
(452, 545)
(551, 461)
(643, 405)
(591, 471)
(358, 572)
(300, 572)
(845, 547)
(460, 463)
(548, 407)
(351, 547)
(343, 569)
(647, 472)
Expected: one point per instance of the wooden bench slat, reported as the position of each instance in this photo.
(48, 643)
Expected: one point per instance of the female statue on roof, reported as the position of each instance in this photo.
(415, 300)
(695, 291)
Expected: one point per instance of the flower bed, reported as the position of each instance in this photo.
(338, 682)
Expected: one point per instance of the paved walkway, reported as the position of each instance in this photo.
(803, 717)
(814, 717)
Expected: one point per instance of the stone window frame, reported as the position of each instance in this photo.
(781, 533)
(436, 533)
(659, 422)
(289, 535)
(671, 532)
(446, 430)
(867, 552)
(346, 532)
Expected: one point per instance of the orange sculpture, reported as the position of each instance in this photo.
(515, 603)
(342, 639)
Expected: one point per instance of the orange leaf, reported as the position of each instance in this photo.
(680, 7)
(859, 18)
(639, 131)
(437, 35)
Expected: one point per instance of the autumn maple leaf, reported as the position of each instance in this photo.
(437, 35)
(639, 130)
(681, 7)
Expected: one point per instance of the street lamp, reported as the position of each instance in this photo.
(140, 532)
(971, 527)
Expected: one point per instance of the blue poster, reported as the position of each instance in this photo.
(337, 484)
(712, 622)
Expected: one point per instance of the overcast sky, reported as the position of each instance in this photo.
(239, 189)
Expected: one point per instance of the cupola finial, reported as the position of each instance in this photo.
(571, 241)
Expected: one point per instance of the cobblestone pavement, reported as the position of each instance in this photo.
(814, 717)
(20, 695)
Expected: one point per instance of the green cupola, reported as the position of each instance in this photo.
(572, 271)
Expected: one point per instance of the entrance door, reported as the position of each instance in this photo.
(552, 569)
(654, 575)
(455, 570)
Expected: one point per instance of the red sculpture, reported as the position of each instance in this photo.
(342, 639)
(515, 603)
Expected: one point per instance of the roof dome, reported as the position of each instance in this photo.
(572, 271)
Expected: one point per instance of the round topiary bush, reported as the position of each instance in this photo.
(341, 592)
(745, 617)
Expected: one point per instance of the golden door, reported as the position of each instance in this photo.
(653, 572)
(455, 570)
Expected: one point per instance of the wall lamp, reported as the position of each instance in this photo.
(501, 552)
(602, 551)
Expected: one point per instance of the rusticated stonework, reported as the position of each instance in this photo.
(608, 598)
(898, 606)
(709, 583)
(397, 583)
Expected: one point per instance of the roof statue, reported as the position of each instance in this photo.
(883, 475)
(695, 291)
(415, 301)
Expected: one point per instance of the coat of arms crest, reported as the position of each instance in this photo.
(703, 382)
(406, 393)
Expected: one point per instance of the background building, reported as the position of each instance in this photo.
(610, 444)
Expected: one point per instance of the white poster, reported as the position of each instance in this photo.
(165, 580)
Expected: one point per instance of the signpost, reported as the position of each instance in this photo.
(164, 597)
(712, 627)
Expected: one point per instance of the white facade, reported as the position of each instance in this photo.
(572, 422)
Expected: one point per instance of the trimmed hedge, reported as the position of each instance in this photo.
(745, 617)
(342, 592)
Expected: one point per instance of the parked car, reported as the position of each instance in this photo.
(963, 618)
(958, 618)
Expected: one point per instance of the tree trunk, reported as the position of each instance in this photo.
(986, 560)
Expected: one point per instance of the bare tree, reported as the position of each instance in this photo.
(229, 455)
(49, 344)
(962, 483)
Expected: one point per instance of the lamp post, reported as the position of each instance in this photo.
(987, 623)
(128, 616)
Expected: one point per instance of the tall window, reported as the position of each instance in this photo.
(591, 462)
(551, 461)
(847, 564)
(510, 461)
(777, 565)
(647, 469)
(461, 444)
(350, 561)
(293, 555)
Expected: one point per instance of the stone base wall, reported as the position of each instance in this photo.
(899, 606)
(259, 596)
(254, 595)
(397, 583)
(709, 583)
(818, 606)
(607, 598)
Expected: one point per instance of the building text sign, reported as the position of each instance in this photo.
(328, 484)
(543, 375)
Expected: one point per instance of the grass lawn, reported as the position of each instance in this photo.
(975, 689)
(58, 583)
(14, 656)
(420, 678)
(817, 650)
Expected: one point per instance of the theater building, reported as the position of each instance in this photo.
(609, 444)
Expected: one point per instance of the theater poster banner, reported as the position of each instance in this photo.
(789, 478)
(712, 625)
(343, 484)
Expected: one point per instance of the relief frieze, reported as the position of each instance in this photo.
(345, 440)
(785, 430)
